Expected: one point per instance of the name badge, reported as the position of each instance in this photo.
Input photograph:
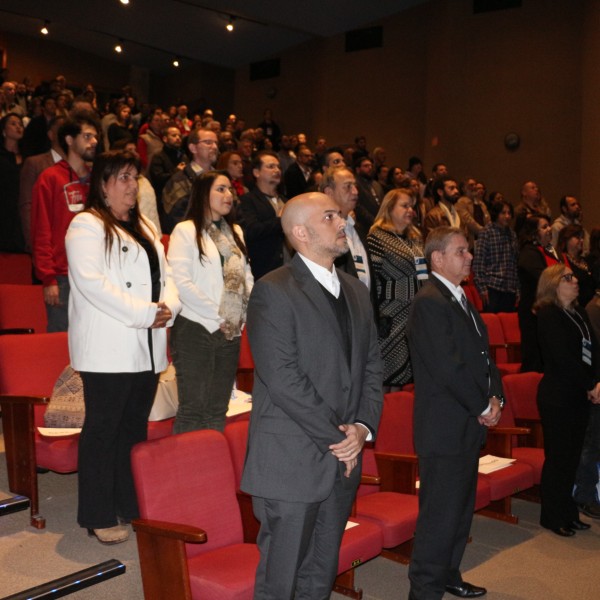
(586, 351)
(421, 267)
(359, 263)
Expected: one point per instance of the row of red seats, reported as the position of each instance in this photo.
(209, 537)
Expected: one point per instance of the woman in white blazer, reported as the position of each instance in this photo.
(213, 278)
(122, 299)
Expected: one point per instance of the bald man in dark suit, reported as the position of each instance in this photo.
(317, 397)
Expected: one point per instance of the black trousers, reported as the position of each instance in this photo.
(564, 431)
(446, 504)
(117, 406)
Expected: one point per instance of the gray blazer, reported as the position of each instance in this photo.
(303, 386)
(454, 375)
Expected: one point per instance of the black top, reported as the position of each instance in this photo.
(148, 246)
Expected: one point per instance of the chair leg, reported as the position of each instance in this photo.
(400, 553)
(19, 441)
(344, 585)
(501, 510)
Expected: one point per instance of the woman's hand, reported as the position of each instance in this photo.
(163, 316)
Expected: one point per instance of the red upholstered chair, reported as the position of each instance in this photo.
(394, 512)
(30, 366)
(15, 268)
(520, 390)
(22, 309)
(500, 349)
(512, 334)
(245, 370)
(472, 294)
(394, 449)
(359, 544)
(190, 538)
(534, 457)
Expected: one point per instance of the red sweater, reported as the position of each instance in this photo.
(58, 195)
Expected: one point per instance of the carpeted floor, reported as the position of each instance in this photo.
(515, 562)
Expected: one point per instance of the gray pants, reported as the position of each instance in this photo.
(206, 364)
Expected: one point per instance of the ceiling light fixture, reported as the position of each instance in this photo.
(229, 25)
(176, 62)
(124, 1)
(119, 47)
(44, 30)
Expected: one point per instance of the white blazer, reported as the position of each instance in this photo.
(200, 284)
(110, 303)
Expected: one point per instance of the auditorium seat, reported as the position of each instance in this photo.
(15, 268)
(22, 309)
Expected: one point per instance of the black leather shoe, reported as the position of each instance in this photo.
(579, 525)
(466, 590)
(562, 531)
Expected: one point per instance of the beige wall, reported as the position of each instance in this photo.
(448, 85)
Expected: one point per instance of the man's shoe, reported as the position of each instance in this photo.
(562, 531)
(466, 590)
(590, 510)
(579, 525)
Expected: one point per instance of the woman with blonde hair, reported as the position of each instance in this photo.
(570, 382)
(399, 269)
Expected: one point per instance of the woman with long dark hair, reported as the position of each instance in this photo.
(213, 278)
(122, 298)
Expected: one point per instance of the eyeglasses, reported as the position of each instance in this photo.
(568, 277)
(208, 142)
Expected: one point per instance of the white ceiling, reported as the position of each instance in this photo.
(155, 31)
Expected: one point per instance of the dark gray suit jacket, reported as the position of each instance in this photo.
(303, 386)
(454, 375)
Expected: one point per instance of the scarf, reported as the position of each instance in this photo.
(234, 298)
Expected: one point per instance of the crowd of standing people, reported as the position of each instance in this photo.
(91, 195)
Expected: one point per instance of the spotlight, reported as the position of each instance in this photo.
(176, 61)
(44, 30)
(229, 25)
(119, 47)
(124, 1)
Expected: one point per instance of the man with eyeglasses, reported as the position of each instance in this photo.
(204, 148)
(59, 193)
(259, 215)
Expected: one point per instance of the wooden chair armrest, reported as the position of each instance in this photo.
(185, 533)
(18, 425)
(398, 472)
(535, 438)
(6, 399)
(500, 440)
(509, 431)
(163, 558)
(17, 331)
(366, 479)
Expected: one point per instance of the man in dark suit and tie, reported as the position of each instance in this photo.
(317, 398)
(458, 394)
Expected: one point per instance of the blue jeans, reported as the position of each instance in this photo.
(586, 479)
(206, 364)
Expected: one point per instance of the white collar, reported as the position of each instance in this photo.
(328, 279)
